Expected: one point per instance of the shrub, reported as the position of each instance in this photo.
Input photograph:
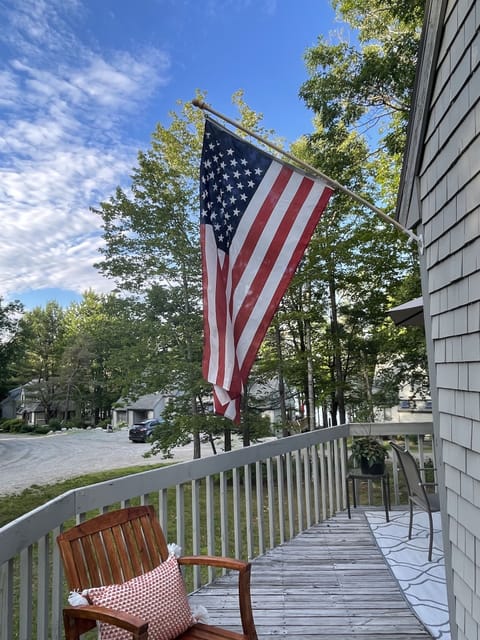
(75, 423)
(12, 425)
(54, 424)
(42, 429)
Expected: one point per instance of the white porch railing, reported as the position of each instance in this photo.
(240, 503)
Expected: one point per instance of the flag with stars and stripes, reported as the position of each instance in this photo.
(257, 217)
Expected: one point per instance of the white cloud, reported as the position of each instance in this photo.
(64, 108)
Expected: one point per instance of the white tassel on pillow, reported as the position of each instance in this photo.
(200, 613)
(174, 549)
(76, 599)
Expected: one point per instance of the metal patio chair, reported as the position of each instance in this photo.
(417, 491)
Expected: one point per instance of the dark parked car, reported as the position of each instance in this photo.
(141, 431)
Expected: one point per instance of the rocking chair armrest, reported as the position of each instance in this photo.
(215, 561)
(244, 598)
(126, 621)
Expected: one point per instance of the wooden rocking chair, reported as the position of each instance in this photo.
(117, 546)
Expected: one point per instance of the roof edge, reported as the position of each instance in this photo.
(407, 211)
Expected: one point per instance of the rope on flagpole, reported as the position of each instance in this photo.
(332, 183)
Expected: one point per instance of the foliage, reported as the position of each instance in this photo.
(368, 448)
(41, 336)
(152, 252)
(366, 82)
(11, 425)
(54, 424)
(10, 314)
(360, 90)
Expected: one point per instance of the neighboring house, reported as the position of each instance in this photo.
(145, 407)
(22, 403)
(439, 198)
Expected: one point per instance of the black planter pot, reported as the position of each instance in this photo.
(375, 469)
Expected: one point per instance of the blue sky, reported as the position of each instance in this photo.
(83, 84)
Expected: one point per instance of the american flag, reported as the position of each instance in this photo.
(257, 217)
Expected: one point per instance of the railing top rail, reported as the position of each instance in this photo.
(390, 428)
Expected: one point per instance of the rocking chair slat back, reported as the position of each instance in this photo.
(117, 546)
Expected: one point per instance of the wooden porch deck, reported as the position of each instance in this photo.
(328, 582)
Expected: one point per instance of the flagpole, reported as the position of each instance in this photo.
(332, 183)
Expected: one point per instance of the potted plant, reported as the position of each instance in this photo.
(370, 454)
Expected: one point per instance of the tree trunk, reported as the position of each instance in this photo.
(311, 390)
(368, 388)
(337, 357)
(227, 439)
(197, 450)
(246, 419)
(281, 381)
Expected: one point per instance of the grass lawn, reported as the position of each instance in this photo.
(14, 505)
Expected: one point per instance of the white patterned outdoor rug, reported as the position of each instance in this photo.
(422, 582)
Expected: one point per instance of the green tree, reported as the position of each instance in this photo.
(360, 94)
(152, 252)
(10, 314)
(42, 340)
(107, 353)
(366, 82)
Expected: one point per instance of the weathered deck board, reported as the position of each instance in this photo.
(329, 582)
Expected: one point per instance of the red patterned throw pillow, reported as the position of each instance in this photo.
(158, 597)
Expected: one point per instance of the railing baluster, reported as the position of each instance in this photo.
(396, 488)
(6, 599)
(280, 500)
(237, 535)
(179, 512)
(421, 457)
(26, 599)
(331, 505)
(248, 510)
(298, 486)
(271, 504)
(43, 583)
(163, 508)
(315, 482)
(323, 481)
(259, 494)
(343, 465)
(224, 514)
(306, 487)
(291, 512)
(338, 475)
(57, 589)
(195, 489)
(210, 508)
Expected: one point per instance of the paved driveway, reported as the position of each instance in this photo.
(27, 460)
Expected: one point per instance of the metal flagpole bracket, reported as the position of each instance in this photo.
(312, 170)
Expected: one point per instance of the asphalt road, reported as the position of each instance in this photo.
(28, 460)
